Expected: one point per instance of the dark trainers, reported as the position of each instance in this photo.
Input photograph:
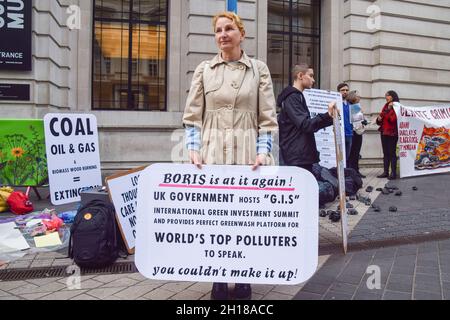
(384, 175)
(242, 291)
(219, 291)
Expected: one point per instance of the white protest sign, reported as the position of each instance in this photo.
(73, 158)
(424, 139)
(122, 189)
(227, 224)
(317, 101)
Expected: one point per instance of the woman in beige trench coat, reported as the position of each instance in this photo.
(230, 112)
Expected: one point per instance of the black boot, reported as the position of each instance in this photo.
(219, 291)
(242, 291)
(384, 175)
(386, 169)
(393, 175)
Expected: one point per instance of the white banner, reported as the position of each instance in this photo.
(227, 224)
(73, 157)
(317, 101)
(424, 140)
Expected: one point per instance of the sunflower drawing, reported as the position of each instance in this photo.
(17, 152)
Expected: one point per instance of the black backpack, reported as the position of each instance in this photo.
(94, 236)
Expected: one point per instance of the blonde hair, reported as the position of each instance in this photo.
(353, 97)
(299, 68)
(232, 16)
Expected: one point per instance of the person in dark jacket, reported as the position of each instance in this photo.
(387, 120)
(296, 127)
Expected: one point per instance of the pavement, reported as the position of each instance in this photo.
(408, 249)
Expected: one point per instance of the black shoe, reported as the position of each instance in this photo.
(392, 177)
(384, 175)
(219, 291)
(361, 175)
(242, 291)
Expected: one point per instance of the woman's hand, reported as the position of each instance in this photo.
(195, 158)
(260, 161)
(390, 105)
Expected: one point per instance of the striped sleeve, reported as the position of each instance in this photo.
(264, 143)
(193, 138)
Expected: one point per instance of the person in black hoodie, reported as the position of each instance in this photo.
(296, 127)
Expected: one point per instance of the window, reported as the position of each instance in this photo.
(293, 37)
(130, 55)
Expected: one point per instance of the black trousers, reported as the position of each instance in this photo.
(389, 144)
(353, 161)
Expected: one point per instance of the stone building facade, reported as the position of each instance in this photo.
(375, 46)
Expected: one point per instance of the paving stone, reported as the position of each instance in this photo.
(404, 270)
(102, 293)
(289, 290)
(41, 282)
(400, 283)
(262, 289)
(10, 285)
(62, 262)
(134, 292)
(277, 296)
(31, 288)
(302, 295)
(407, 251)
(405, 261)
(41, 263)
(63, 295)
(159, 294)
(83, 297)
(392, 295)
(176, 286)
(322, 278)
(137, 277)
(257, 296)
(187, 295)
(337, 296)
(427, 270)
(10, 297)
(205, 287)
(341, 287)
(317, 288)
(427, 283)
(349, 278)
(3, 293)
(22, 264)
(31, 256)
(367, 296)
(422, 295)
(121, 282)
(34, 296)
(106, 278)
(90, 284)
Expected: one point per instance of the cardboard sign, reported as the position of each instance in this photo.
(227, 224)
(72, 155)
(123, 189)
(317, 101)
(424, 140)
